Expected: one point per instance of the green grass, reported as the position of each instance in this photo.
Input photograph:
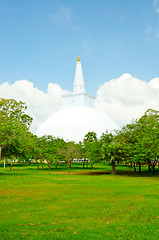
(80, 205)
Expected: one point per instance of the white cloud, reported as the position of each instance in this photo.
(155, 3)
(127, 98)
(151, 30)
(40, 105)
(123, 99)
(148, 32)
(148, 29)
(64, 14)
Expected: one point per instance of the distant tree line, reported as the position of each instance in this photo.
(136, 144)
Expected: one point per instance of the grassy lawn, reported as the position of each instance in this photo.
(84, 204)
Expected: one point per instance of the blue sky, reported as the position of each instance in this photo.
(41, 39)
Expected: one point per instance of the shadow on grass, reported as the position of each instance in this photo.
(94, 173)
(137, 174)
(8, 173)
(118, 173)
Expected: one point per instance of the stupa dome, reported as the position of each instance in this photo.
(74, 122)
(78, 115)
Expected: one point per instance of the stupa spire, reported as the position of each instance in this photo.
(78, 84)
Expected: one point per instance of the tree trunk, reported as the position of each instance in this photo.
(0, 153)
(83, 163)
(49, 165)
(134, 167)
(11, 165)
(153, 167)
(92, 166)
(149, 167)
(87, 163)
(139, 167)
(42, 165)
(38, 165)
(113, 167)
(56, 164)
(69, 165)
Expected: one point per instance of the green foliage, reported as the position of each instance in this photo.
(48, 148)
(92, 148)
(135, 144)
(140, 139)
(14, 111)
(14, 127)
(69, 152)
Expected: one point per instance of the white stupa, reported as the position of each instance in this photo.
(78, 115)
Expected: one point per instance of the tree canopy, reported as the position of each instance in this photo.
(136, 143)
(14, 125)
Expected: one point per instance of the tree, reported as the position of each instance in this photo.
(45, 150)
(149, 137)
(105, 139)
(14, 123)
(49, 149)
(92, 148)
(112, 148)
(23, 148)
(69, 152)
(140, 140)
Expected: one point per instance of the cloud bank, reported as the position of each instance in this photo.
(40, 104)
(127, 98)
(123, 99)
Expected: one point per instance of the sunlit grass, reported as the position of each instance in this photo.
(38, 205)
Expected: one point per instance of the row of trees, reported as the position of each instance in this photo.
(135, 144)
